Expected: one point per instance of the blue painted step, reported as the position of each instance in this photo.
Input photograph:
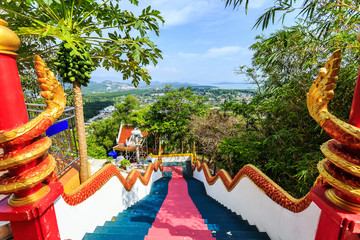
(134, 222)
(223, 223)
(123, 229)
(103, 236)
(126, 224)
(239, 235)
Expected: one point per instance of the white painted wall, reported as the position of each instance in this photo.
(247, 200)
(112, 198)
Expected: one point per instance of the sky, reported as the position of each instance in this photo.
(202, 42)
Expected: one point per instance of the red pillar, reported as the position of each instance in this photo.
(13, 111)
(354, 118)
(36, 220)
(335, 223)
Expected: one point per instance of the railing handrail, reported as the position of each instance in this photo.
(67, 153)
(59, 172)
(67, 108)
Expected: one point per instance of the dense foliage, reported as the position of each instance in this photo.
(280, 137)
(124, 46)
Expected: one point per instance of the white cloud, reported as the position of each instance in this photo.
(222, 51)
(256, 3)
(171, 69)
(214, 52)
(188, 55)
(152, 68)
(180, 12)
(158, 69)
(103, 73)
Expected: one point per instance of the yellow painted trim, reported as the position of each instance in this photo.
(17, 202)
(342, 203)
(348, 189)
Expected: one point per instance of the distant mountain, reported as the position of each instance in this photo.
(173, 84)
(105, 86)
(112, 86)
(220, 83)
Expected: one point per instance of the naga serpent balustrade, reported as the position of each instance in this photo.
(25, 144)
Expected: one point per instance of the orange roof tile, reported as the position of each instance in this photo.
(126, 134)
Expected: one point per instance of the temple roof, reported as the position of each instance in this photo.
(125, 134)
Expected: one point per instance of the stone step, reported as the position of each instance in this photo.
(133, 219)
(123, 223)
(229, 227)
(125, 230)
(239, 235)
(184, 232)
(169, 238)
(104, 236)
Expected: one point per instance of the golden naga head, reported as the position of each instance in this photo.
(341, 167)
(320, 93)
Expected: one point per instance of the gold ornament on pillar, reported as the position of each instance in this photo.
(341, 167)
(9, 41)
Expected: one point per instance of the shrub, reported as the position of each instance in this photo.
(125, 163)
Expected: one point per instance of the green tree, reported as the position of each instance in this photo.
(209, 131)
(169, 117)
(79, 26)
(103, 133)
(95, 150)
(128, 112)
(125, 109)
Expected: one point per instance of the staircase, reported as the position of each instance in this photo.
(169, 213)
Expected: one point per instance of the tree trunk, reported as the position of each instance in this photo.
(80, 127)
(181, 146)
(229, 160)
(213, 158)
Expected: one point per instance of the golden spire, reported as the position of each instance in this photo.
(9, 41)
